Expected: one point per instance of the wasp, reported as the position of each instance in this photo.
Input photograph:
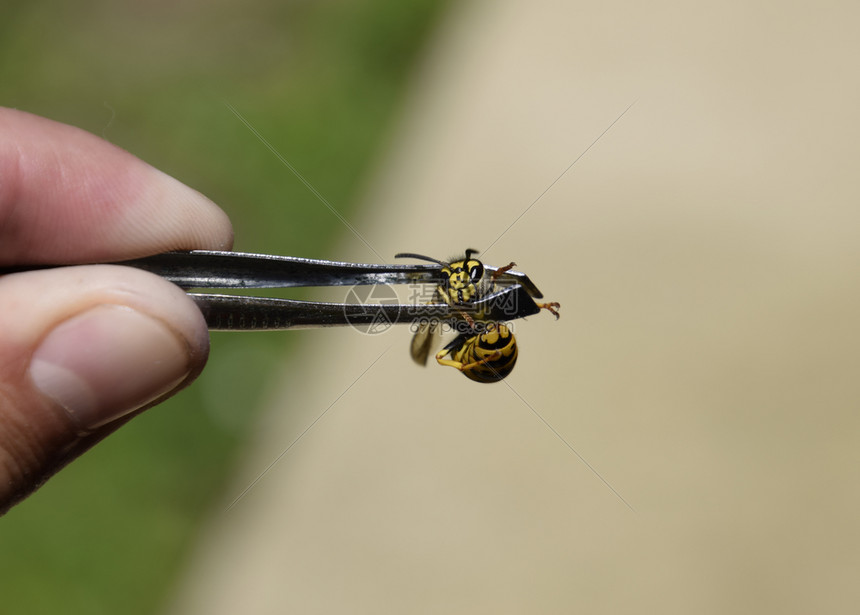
(484, 351)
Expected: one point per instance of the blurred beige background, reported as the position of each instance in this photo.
(705, 252)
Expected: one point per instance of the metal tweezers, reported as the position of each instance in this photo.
(212, 269)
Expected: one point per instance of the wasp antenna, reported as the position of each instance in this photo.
(419, 257)
(470, 252)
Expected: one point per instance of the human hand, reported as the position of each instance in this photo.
(83, 349)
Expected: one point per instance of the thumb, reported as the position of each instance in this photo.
(81, 350)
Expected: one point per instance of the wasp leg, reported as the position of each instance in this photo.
(468, 319)
(464, 367)
(551, 307)
(502, 270)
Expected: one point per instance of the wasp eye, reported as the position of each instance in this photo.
(477, 272)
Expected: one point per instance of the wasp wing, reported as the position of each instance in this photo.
(426, 336)
(423, 342)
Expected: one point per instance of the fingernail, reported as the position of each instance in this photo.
(107, 362)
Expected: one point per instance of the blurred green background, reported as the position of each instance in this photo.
(321, 81)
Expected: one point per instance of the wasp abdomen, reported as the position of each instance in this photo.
(485, 357)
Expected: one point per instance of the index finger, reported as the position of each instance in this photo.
(67, 196)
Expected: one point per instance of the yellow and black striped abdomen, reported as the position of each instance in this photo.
(484, 357)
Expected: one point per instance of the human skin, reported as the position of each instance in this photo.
(85, 348)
